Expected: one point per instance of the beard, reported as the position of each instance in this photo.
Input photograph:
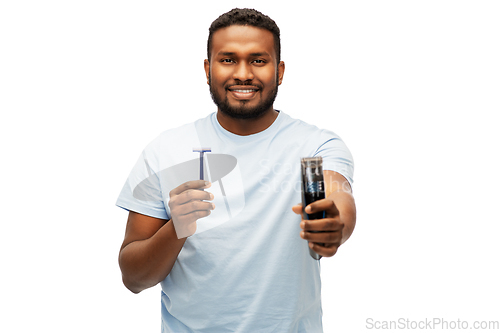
(243, 111)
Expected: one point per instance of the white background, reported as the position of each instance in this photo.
(411, 86)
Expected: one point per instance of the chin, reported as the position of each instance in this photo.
(242, 113)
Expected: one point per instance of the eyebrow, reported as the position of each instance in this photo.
(255, 54)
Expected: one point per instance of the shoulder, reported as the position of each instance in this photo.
(299, 127)
(180, 133)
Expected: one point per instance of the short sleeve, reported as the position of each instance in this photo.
(336, 156)
(142, 192)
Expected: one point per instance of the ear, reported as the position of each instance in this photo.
(206, 64)
(281, 72)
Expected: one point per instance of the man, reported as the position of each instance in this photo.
(243, 264)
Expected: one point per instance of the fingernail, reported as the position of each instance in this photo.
(213, 206)
(211, 196)
(207, 183)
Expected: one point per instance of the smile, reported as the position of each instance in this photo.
(244, 91)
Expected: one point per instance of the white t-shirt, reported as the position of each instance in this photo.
(246, 269)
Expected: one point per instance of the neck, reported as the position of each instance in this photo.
(247, 126)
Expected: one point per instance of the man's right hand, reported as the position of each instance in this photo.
(151, 245)
(188, 203)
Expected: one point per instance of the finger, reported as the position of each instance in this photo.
(191, 195)
(192, 184)
(328, 224)
(191, 217)
(191, 207)
(328, 238)
(322, 205)
(323, 250)
(297, 209)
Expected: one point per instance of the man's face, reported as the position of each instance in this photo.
(243, 72)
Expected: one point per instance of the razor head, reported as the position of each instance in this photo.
(202, 150)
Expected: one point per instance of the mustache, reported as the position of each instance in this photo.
(242, 83)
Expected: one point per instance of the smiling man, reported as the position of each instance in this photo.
(244, 265)
(244, 71)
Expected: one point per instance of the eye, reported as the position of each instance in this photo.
(259, 61)
(226, 61)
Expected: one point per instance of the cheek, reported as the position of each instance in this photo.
(220, 73)
(267, 76)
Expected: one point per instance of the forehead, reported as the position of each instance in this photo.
(243, 39)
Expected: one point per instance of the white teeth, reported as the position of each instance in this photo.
(244, 91)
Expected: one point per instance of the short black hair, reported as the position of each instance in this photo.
(245, 16)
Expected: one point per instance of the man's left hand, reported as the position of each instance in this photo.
(324, 235)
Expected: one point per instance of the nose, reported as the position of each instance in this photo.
(243, 72)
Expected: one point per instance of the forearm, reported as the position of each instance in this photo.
(145, 263)
(344, 201)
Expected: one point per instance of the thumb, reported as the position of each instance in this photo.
(297, 209)
(333, 210)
